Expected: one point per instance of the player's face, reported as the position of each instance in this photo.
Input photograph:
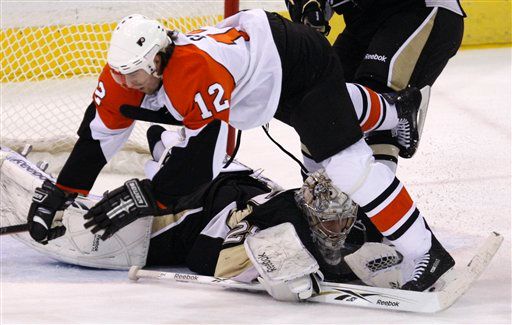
(142, 81)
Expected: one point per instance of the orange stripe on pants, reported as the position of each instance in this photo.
(375, 112)
(395, 211)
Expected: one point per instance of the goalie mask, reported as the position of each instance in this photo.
(330, 214)
(134, 45)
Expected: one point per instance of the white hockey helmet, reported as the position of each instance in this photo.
(135, 43)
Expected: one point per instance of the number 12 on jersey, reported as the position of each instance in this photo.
(219, 105)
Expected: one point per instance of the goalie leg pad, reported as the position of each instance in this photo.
(287, 270)
(18, 180)
(377, 265)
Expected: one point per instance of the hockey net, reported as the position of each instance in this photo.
(52, 54)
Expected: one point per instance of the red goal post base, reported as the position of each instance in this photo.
(231, 7)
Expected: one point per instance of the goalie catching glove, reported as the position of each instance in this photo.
(43, 223)
(122, 206)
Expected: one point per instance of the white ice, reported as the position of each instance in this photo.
(460, 178)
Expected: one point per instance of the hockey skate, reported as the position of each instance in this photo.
(430, 267)
(411, 105)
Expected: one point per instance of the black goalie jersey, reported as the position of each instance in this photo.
(207, 232)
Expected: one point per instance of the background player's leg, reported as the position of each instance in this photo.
(416, 45)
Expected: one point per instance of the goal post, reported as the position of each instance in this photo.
(231, 7)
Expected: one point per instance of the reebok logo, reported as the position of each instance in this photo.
(185, 277)
(376, 57)
(388, 303)
(266, 262)
(27, 167)
(95, 243)
(434, 266)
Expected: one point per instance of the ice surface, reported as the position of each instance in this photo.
(460, 179)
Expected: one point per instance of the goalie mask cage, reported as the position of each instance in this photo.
(53, 52)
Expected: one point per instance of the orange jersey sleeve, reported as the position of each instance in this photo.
(108, 98)
(198, 87)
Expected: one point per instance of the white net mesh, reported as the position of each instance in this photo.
(52, 54)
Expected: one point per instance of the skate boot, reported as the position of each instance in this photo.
(430, 267)
(411, 105)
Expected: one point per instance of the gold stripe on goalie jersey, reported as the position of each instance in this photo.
(232, 261)
(403, 62)
(236, 216)
(166, 222)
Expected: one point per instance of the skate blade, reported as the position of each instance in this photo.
(422, 113)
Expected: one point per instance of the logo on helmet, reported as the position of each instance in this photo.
(141, 41)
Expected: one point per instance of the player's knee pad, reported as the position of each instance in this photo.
(349, 168)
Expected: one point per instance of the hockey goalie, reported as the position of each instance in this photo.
(206, 233)
(244, 227)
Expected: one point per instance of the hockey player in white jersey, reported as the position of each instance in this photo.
(249, 68)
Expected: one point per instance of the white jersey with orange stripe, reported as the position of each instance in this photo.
(231, 72)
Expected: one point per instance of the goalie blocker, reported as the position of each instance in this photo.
(122, 206)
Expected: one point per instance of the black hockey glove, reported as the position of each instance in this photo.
(47, 200)
(295, 10)
(122, 206)
(310, 13)
(313, 16)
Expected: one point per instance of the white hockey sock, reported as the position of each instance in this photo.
(381, 196)
(158, 150)
(415, 240)
(373, 111)
(394, 213)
